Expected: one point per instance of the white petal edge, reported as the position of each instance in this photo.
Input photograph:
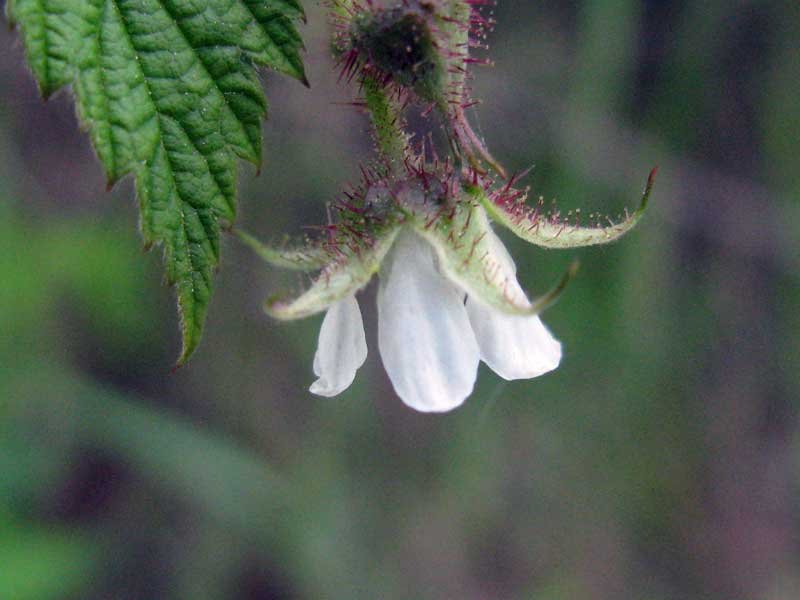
(424, 335)
(505, 262)
(341, 350)
(514, 347)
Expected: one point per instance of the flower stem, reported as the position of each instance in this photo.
(387, 123)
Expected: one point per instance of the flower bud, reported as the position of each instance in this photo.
(398, 42)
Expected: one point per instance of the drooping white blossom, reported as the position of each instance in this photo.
(448, 296)
(431, 334)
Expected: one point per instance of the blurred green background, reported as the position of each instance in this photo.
(660, 461)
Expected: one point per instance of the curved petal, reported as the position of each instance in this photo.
(515, 347)
(341, 350)
(424, 335)
(336, 281)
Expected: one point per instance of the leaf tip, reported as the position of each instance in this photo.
(186, 353)
(191, 340)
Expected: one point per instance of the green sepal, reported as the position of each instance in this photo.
(538, 229)
(341, 278)
(307, 258)
(550, 297)
(472, 256)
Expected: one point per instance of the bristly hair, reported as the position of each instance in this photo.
(419, 50)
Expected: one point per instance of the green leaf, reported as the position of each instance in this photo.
(169, 92)
(539, 229)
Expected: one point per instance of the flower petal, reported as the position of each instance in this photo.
(515, 347)
(424, 335)
(338, 280)
(341, 350)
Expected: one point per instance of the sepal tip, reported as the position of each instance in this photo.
(651, 180)
(547, 300)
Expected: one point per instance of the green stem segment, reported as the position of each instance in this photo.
(464, 143)
(387, 123)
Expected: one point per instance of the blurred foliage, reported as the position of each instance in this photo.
(659, 462)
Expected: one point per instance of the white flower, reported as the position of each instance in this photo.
(430, 341)
(448, 295)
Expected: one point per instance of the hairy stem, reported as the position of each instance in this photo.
(387, 123)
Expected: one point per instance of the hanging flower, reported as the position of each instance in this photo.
(430, 339)
(448, 294)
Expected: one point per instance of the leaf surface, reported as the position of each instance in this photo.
(169, 93)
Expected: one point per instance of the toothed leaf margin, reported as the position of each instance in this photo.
(169, 93)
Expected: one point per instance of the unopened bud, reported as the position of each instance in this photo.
(398, 42)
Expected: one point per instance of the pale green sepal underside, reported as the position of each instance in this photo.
(538, 229)
(169, 93)
(471, 256)
(338, 280)
(296, 258)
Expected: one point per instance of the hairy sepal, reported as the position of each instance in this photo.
(307, 257)
(169, 94)
(341, 278)
(549, 232)
(472, 256)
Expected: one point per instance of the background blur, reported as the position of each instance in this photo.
(659, 462)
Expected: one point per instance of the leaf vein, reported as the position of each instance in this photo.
(202, 62)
